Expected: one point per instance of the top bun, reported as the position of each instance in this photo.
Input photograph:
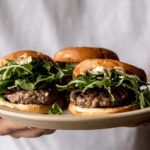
(90, 64)
(16, 55)
(78, 54)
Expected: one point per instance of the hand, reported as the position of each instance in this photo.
(17, 131)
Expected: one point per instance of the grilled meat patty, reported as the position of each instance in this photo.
(40, 96)
(99, 98)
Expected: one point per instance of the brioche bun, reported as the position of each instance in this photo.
(78, 54)
(16, 55)
(76, 110)
(30, 108)
(90, 64)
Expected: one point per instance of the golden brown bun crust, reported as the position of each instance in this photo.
(30, 108)
(75, 110)
(78, 54)
(90, 64)
(15, 55)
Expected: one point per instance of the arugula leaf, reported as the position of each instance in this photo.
(55, 110)
(12, 62)
(75, 83)
(7, 74)
(109, 91)
(24, 84)
(142, 101)
(59, 74)
(146, 94)
(120, 81)
(98, 84)
(47, 79)
(28, 66)
(67, 68)
(15, 66)
(47, 65)
(147, 101)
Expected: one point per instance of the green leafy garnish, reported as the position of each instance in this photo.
(109, 79)
(24, 84)
(12, 62)
(28, 76)
(55, 110)
(67, 68)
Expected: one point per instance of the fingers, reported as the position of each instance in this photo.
(17, 131)
(31, 133)
(8, 127)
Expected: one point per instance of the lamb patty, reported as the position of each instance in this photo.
(32, 97)
(99, 98)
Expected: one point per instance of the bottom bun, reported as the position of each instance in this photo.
(76, 110)
(31, 108)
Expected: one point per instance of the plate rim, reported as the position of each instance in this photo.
(67, 117)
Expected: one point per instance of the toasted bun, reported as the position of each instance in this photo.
(30, 108)
(78, 54)
(16, 55)
(90, 64)
(76, 110)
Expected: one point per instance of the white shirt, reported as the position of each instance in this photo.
(48, 25)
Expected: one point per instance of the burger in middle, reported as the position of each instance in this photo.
(67, 58)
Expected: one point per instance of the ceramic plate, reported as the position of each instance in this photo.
(69, 122)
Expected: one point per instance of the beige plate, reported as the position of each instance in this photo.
(69, 122)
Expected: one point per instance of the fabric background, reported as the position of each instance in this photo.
(49, 25)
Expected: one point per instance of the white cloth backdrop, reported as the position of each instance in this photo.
(49, 25)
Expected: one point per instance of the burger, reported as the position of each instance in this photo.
(105, 86)
(28, 82)
(67, 58)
